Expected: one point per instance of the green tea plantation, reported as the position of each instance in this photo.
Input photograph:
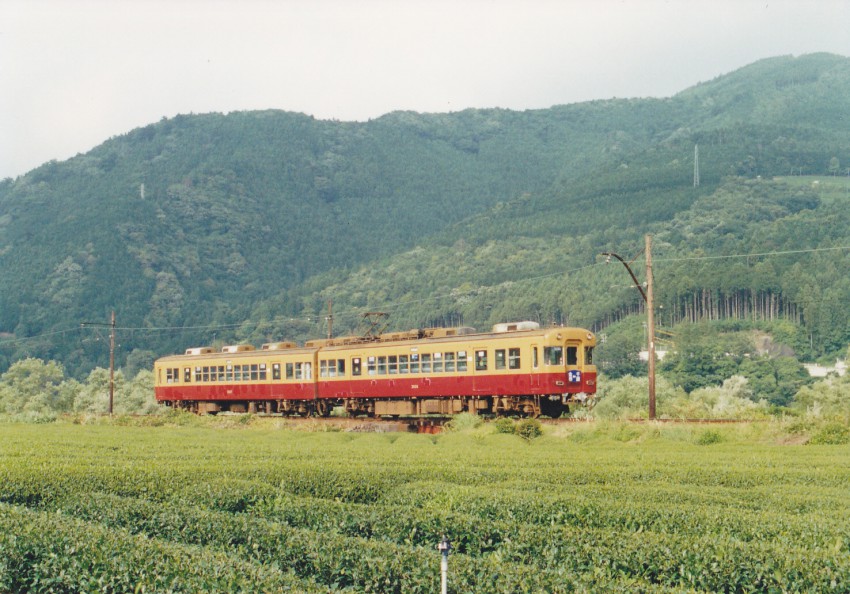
(264, 507)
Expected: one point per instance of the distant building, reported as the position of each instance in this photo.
(644, 355)
(816, 370)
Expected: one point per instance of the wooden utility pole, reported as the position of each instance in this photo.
(112, 362)
(111, 326)
(650, 315)
(650, 327)
(330, 319)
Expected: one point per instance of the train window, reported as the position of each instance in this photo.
(356, 366)
(370, 364)
(500, 359)
(169, 376)
(393, 364)
(450, 362)
(303, 371)
(461, 361)
(275, 371)
(534, 357)
(414, 363)
(588, 355)
(480, 360)
(290, 372)
(438, 362)
(382, 366)
(255, 372)
(553, 355)
(513, 358)
(263, 372)
(237, 373)
(403, 364)
(187, 374)
(229, 373)
(572, 355)
(331, 367)
(426, 363)
(198, 375)
(206, 374)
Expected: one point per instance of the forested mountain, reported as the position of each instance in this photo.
(243, 226)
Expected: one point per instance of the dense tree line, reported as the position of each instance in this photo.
(37, 391)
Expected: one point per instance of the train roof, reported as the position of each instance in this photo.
(426, 336)
(569, 332)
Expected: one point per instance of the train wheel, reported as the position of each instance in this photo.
(323, 408)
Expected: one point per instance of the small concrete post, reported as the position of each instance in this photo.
(444, 547)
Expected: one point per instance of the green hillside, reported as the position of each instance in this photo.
(243, 226)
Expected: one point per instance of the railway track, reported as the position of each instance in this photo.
(434, 424)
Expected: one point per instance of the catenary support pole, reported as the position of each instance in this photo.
(650, 327)
(649, 301)
(112, 363)
(111, 326)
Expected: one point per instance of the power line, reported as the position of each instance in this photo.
(755, 255)
(174, 328)
(37, 336)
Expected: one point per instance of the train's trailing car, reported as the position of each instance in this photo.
(516, 369)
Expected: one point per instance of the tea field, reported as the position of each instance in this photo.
(265, 508)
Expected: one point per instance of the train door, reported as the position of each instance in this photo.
(357, 384)
(573, 352)
(481, 380)
(535, 366)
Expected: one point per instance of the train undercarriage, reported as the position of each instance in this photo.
(552, 406)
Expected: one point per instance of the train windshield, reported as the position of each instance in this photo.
(553, 355)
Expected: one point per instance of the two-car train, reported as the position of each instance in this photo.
(517, 369)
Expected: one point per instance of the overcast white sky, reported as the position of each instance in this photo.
(75, 72)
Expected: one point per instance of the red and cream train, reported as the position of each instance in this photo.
(517, 369)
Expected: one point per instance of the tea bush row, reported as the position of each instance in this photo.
(258, 549)
(41, 552)
(711, 562)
